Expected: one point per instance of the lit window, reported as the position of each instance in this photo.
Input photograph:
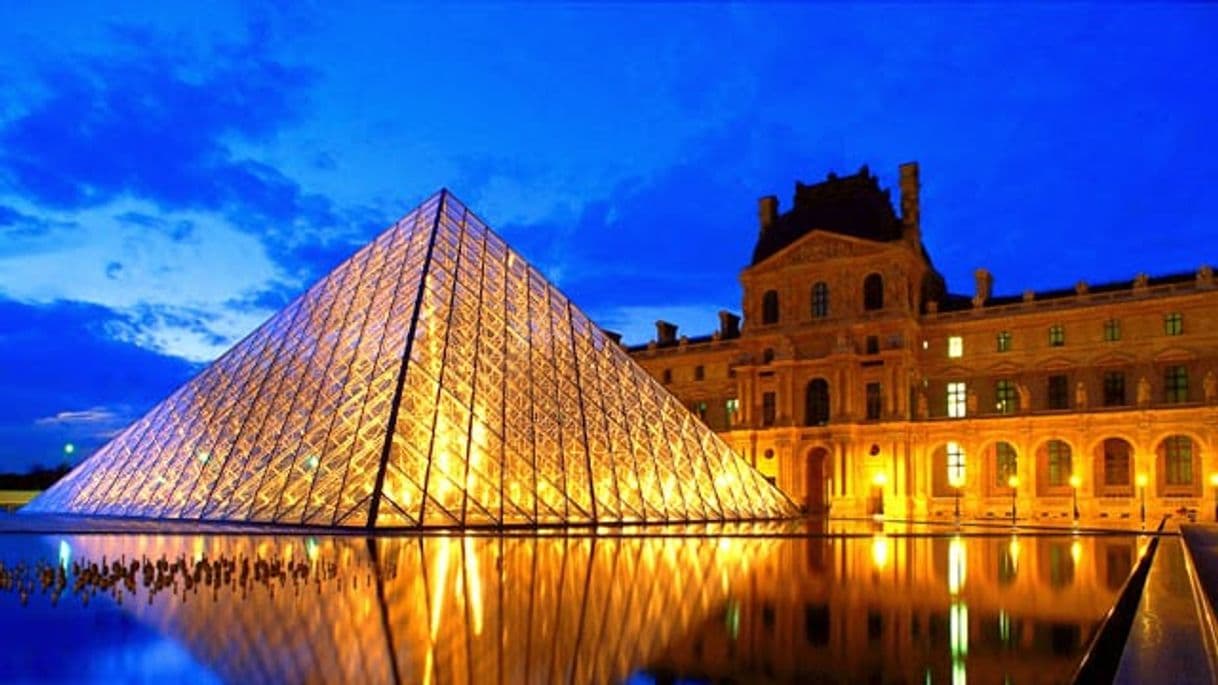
(1059, 462)
(1173, 324)
(955, 347)
(1005, 463)
(820, 300)
(731, 406)
(1057, 336)
(699, 372)
(1112, 330)
(956, 400)
(1004, 396)
(926, 344)
(1175, 384)
(955, 464)
(1004, 341)
(1178, 460)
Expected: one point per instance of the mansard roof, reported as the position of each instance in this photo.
(853, 205)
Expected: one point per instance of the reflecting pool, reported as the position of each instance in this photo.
(902, 604)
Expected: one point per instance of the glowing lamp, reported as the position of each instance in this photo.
(880, 479)
(1214, 479)
(1013, 481)
(1075, 481)
(1142, 480)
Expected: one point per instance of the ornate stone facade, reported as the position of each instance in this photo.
(856, 374)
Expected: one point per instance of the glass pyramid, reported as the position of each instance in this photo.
(434, 379)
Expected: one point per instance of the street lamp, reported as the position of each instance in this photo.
(1013, 482)
(879, 480)
(1075, 481)
(1142, 489)
(1214, 482)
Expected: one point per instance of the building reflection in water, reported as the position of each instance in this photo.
(884, 607)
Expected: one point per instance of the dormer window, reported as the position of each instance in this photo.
(873, 293)
(769, 307)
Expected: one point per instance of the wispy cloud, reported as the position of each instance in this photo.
(88, 417)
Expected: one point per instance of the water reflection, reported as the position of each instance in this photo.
(883, 607)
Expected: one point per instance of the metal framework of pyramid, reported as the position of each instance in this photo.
(434, 379)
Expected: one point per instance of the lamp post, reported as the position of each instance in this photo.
(957, 481)
(1142, 490)
(1214, 482)
(1075, 481)
(879, 480)
(1013, 482)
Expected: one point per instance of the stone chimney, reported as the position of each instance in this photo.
(666, 333)
(613, 335)
(985, 286)
(767, 211)
(911, 213)
(729, 325)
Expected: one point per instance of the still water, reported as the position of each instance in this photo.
(903, 604)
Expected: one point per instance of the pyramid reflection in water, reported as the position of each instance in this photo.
(434, 609)
(434, 379)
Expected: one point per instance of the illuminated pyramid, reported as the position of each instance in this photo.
(435, 378)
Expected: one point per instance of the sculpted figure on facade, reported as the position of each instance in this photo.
(1025, 397)
(1143, 392)
(1210, 386)
(1080, 395)
(923, 405)
(971, 400)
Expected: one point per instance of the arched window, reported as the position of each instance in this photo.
(816, 411)
(1177, 470)
(1118, 465)
(1056, 467)
(873, 292)
(769, 307)
(820, 300)
(1005, 465)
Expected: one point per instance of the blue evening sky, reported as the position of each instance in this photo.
(171, 177)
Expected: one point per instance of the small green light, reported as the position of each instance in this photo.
(311, 462)
(69, 448)
(204, 456)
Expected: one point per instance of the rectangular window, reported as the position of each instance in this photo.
(1059, 393)
(1175, 384)
(955, 464)
(1059, 463)
(820, 301)
(1004, 396)
(1005, 463)
(1112, 330)
(1173, 324)
(699, 372)
(875, 402)
(768, 406)
(1004, 341)
(667, 376)
(955, 347)
(873, 344)
(1057, 335)
(1114, 388)
(1178, 460)
(955, 400)
(731, 406)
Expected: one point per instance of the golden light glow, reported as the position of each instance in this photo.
(1076, 551)
(879, 479)
(1142, 480)
(1075, 481)
(1013, 481)
(879, 551)
(956, 479)
(1013, 552)
(957, 565)
(1214, 479)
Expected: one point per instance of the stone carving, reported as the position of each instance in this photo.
(1210, 386)
(1205, 276)
(971, 401)
(1141, 282)
(1143, 392)
(1080, 395)
(1025, 397)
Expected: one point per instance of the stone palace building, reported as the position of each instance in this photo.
(860, 384)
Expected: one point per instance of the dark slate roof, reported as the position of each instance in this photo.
(956, 302)
(692, 340)
(855, 206)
